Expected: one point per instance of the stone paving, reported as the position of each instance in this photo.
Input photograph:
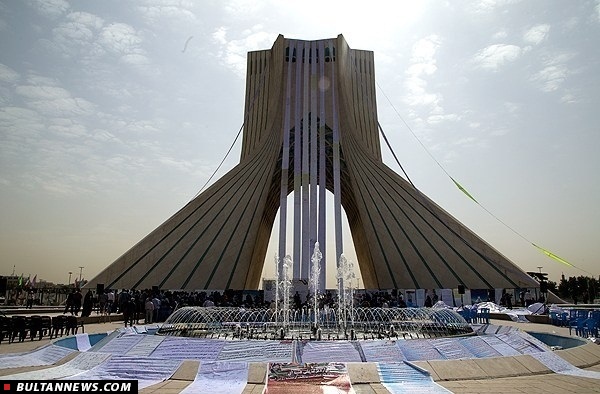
(517, 374)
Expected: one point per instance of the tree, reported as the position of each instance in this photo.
(581, 288)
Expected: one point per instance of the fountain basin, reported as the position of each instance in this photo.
(358, 323)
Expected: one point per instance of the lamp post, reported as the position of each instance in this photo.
(70, 273)
(80, 271)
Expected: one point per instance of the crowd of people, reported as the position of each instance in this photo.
(154, 306)
(151, 306)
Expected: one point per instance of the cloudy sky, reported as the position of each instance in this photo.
(114, 114)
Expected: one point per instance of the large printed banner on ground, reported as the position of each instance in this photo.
(219, 378)
(308, 378)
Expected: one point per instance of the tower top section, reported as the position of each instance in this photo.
(325, 64)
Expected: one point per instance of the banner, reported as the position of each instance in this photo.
(219, 378)
(309, 378)
(321, 351)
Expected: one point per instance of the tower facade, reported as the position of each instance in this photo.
(310, 125)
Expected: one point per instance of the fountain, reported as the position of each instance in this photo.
(363, 323)
(344, 322)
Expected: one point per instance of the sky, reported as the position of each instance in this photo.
(114, 114)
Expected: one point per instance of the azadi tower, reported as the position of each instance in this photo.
(311, 125)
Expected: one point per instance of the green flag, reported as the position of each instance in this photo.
(462, 189)
(553, 256)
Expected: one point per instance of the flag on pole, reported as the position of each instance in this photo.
(34, 281)
(20, 281)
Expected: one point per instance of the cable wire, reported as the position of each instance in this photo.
(258, 88)
(546, 252)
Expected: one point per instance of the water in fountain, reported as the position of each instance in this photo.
(315, 272)
(365, 323)
(346, 276)
(286, 286)
(277, 284)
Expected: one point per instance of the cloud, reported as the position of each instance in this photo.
(423, 65)
(554, 72)
(42, 92)
(512, 108)
(174, 12)
(425, 49)
(244, 7)
(220, 35)
(69, 106)
(184, 166)
(104, 136)
(470, 142)
(489, 6)
(3, 12)
(123, 41)
(536, 34)
(21, 122)
(495, 56)
(36, 79)
(119, 38)
(22, 129)
(51, 9)
(434, 119)
(91, 21)
(76, 36)
(233, 52)
(550, 78)
(500, 35)
(53, 101)
(8, 78)
(568, 98)
(68, 128)
(8, 75)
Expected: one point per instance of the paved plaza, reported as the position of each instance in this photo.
(518, 373)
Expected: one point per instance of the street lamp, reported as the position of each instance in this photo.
(80, 271)
(70, 273)
(540, 268)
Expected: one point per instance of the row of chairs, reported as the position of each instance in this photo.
(18, 328)
(585, 328)
(584, 322)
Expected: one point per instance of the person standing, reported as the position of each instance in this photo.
(528, 298)
(129, 312)
(149, 306)
(69, 302)
(77, 299)
(30, 299)
(110, 302)
(88, 304)
(102, 299)
(156, 301)
(428, 302)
